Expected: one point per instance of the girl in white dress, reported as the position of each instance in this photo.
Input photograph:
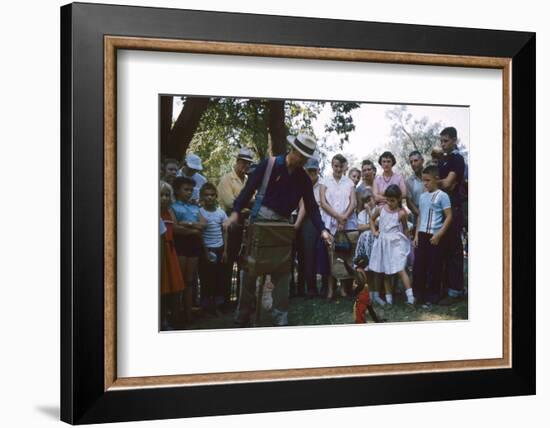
(391, 248)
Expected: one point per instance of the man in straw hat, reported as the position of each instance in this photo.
(287, 183)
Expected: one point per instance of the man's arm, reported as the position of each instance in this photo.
(412, 206)
(449, 182)
(456, 171)
(253, 183)
(403, 187)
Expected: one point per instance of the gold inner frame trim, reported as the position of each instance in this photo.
(113, 43)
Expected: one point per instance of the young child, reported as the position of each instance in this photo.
(171, 279)
(363, 218)
(211, 265)
(390, 250)
(364, 243)
(355, 175)
(432, 224)
(188, 229)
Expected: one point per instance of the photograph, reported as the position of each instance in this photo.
(273, 213)
(291, 212)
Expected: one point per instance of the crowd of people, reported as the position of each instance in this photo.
(410, 229)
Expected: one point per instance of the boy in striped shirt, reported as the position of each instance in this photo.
(432, 224)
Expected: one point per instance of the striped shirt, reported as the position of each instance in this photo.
(213, 234)
(432, 206)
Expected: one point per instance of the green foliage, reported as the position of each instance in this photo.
(342, 121)
(299, 116)
(227, 125)
(231, 123)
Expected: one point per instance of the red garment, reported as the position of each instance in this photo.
(360, 307)
(171, 279)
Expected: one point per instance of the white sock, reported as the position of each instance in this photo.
(376, 298)
(410, 296)
(389, 299)
(371, 295)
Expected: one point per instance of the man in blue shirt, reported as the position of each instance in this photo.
(287, 184)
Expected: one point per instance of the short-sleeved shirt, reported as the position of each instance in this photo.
(213, 234)
(188, 246)
(432, 206)
(453, 162)
(185, 211)
(338, 196)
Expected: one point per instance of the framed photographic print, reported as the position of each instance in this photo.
(381, 175)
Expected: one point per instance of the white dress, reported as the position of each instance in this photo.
(391, 248)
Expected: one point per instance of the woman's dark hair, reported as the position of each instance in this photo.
(393, 191)
(387, 155)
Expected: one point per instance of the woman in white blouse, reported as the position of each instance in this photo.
(338, 203)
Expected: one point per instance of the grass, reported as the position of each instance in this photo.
(318, 311)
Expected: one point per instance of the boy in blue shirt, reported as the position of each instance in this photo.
(432, 224)
(188, 227)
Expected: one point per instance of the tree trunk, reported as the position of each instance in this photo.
(277, 128)
(181, 134)
(166, 109)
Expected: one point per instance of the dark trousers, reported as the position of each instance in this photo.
(427, 270)
(454, 253)
(212, 277)
(307, 242)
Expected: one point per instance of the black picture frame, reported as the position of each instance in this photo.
(83, 396)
